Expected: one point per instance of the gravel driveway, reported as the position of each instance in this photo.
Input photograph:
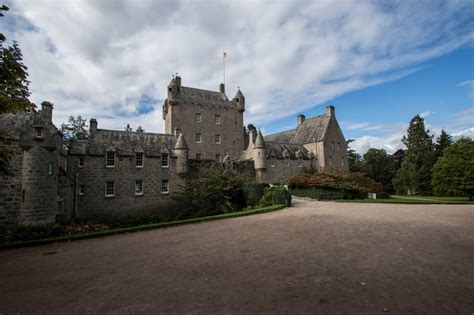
(314, 257)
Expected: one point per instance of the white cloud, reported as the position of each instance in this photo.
(364, 126)
(100, 58)
(426, 114)
(469, 85)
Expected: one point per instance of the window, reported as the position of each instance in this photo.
(139, 187)
(217, 139)
(332, 145)
(273, 163)
(165, 189)
(198, 156)
(50, 168)
(197, 118)
(287, 163)
(39, 132)
(81, 190)
(300, 164)
(330, 161)
(109, 189)
(80, 162)
(218, 157)
(198, 138)
(110, 159)
(342, 161)
(339, 146)
(139, 159)
(217, 119)
(165, 160)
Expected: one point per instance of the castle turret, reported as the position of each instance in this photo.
(174, 88)
(259, 152)
(240, 101)
(181, 150)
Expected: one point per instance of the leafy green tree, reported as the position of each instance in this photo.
(74, 129)
(414, 176)
(444, 140)
(14, 90)
(380, 166)
(453, 172)
(354, 159)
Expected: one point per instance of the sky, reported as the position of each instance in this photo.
(378, 62)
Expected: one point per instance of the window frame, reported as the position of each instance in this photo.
(142, 159)
(80, 162)
(196, 136)
(106, 189)
(167, 191)
(198, 156)
(141, 191)
(217, 119)
(39, 132)
(81, 190)
(196, 116)
(107, 160)
(272, 163)
(217, 138)
(165, 156)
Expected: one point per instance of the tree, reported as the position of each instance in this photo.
(74, 129)
(444, 140)
(414, 176)
(354, 159)
(453, 172)
(380, 166)
(14, 90)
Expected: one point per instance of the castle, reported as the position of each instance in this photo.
(115, 172)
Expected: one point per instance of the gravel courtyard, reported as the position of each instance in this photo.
(314, 257)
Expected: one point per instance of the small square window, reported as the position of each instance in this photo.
(81, 190)
(50, 168)
(198, 138)
(165, 160)
(165, 189)
(273, 163)
(217, 139)
(198, 156)
(218, 157)
(39, 132)
(139, 187)
(197, 118)
(217, 119)
(109, 189)
(139, 159)
(110, 159)
(80, 162)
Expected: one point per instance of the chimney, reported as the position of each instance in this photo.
(301, 119)
(92, 125)
(47, 110)
(178, 80)
(222, 88)
(330, 111)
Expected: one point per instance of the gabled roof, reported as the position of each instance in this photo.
(311, 130)
(124, 143)
(275, 149)
(204, 97)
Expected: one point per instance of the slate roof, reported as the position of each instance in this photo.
(276, 149)
(125, 143)
(311, 130)
(203, 97)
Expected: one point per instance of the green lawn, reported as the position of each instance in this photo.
(416, 199)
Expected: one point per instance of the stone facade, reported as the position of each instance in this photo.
(120, 172)
(30, 194)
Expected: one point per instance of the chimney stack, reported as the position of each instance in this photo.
(178, 80)
(301, 119)
(47, 110)
(330, 111)
(92, 125)
(222, 88)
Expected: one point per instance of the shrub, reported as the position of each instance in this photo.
(215, 193)
(276, 195)
(32, 232)
(253, 192)
(320, 193)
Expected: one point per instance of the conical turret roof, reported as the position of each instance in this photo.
(181, 143)
(259, 142)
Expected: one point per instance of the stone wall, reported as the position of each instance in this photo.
(10, 187)
(282, 171)
(335, 148)
(93, 175)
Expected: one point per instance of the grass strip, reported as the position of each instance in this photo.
(67, 238)
(414, 200)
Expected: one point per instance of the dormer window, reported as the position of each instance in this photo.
(39, 132)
